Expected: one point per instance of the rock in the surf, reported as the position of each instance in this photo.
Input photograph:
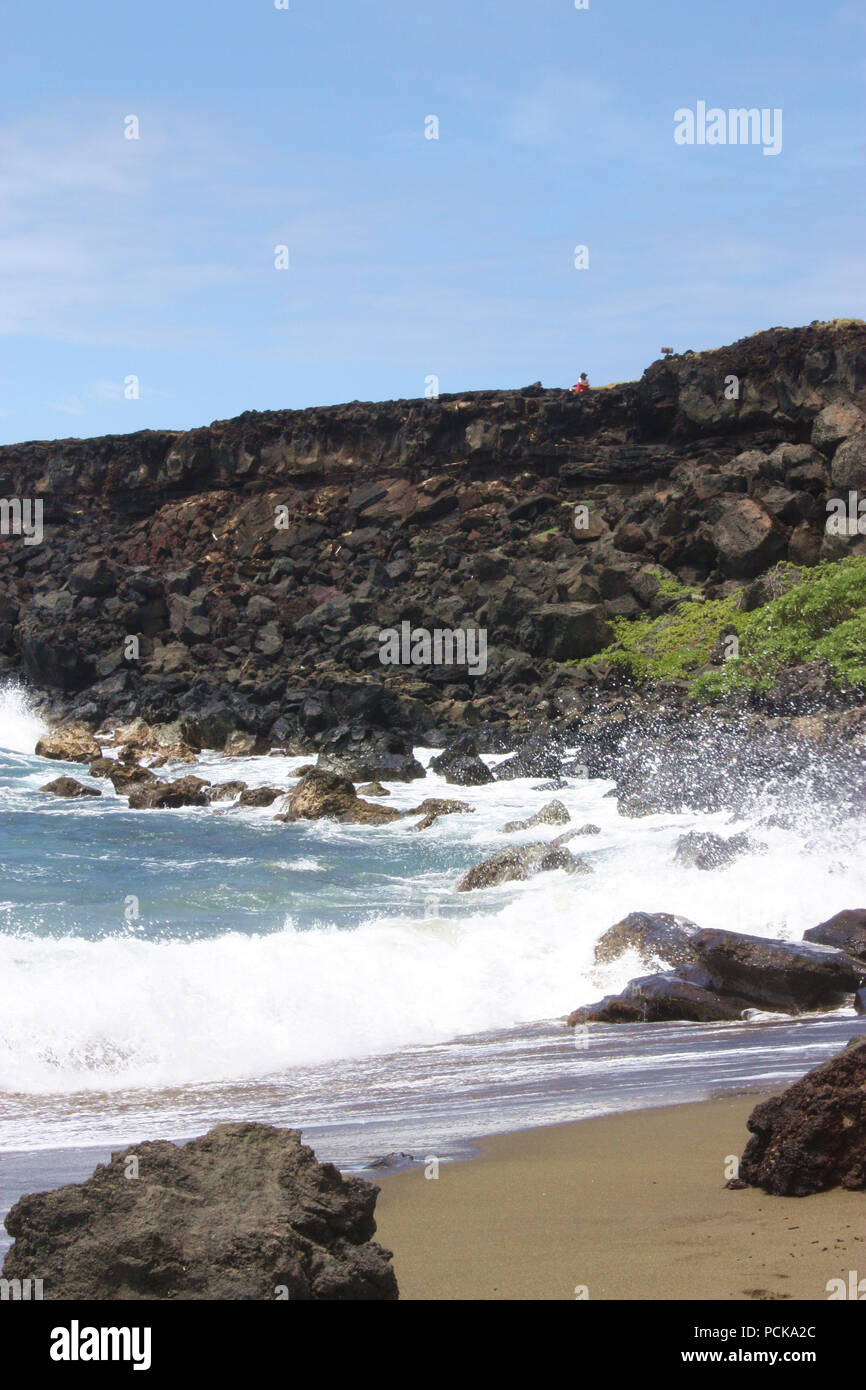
(69, 787)
(813, 1136)
(243, 1213)
(164, 796)
(72, 745)
(517, 863)
(654, 936)
(554, 813)
(708, 851)
(326, 796)
(433, 807)
(663, 998)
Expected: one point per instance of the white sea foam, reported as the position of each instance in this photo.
(20, 727)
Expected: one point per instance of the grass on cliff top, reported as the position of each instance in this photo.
(820, 613)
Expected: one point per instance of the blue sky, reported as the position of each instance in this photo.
(409, 257)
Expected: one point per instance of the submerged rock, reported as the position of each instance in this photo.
(813, 1136)
(708, 851)
(554, 813)
(243, 1213)
(433, 807)
(67, 786)
(517, 863)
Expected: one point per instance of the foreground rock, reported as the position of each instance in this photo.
(846, 931)
(69, 787)
(813, 1136)
(326, 796)
(554, 813)
(245, 1212)
(461, 765)
(520, 862)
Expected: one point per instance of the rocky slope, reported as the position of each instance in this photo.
(256, 561)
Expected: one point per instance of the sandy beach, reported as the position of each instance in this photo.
(630, 1206)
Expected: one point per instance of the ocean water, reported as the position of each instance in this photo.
(165, 970)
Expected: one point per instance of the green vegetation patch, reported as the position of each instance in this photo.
(821, 613)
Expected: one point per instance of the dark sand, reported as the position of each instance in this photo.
(631, 1206)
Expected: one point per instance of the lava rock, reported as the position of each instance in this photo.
(68, 787)
(554, 813)
(323, 795)
(813, 1136)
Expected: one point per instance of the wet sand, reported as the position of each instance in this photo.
(629, 1206)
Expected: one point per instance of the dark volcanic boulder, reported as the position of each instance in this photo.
(846, 931)
(813, 1136)
(540, 755)
(67, 786)
(164, 796)
(57, 661)
(654, 935)
(243, 1213)
(663, 998)
(518, 863)
(325, 796)
(368, 755)
(461, 765)
(792, 976)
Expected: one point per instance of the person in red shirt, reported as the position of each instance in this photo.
(581, 385)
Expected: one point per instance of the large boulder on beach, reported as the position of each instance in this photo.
(323, 795)
(243, 1213)
(846, 931)
(813, 1136)
(652, 935)
(790, 976)
(517, 863)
